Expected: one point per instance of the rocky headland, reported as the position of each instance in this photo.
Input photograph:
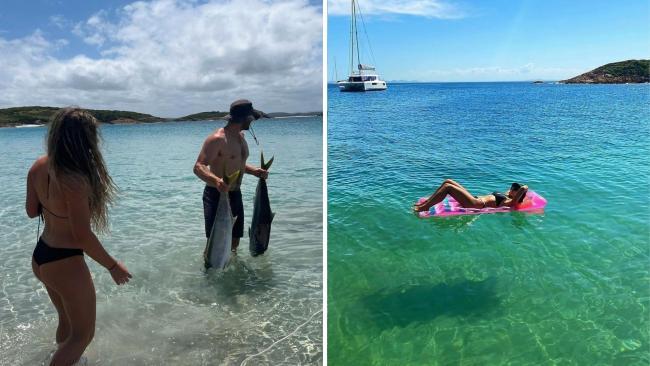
(624, 72)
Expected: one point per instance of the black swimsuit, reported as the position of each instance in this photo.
(44, 253)
(499, 198)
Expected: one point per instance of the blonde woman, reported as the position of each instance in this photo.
(70, 189)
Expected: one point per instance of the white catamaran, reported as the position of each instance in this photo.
(364, 78)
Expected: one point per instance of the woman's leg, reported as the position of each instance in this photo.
(458, 192)
(63, 329)
(465, 198)
(70, 279)
(438, 195)
(453, 182)
(435, 198)
(442, 186)
(435, 193)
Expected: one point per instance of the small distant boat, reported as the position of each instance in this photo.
(365, 77)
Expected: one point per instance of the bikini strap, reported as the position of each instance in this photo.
(48, 197)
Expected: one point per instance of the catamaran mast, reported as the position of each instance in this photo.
(356, 35)
(352, 37)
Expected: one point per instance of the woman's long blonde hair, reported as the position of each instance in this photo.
(73, 153)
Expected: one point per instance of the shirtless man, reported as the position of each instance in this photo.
(225, 152)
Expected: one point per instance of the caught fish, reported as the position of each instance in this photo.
(260, 230)
(220, 241)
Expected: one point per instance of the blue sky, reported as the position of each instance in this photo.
(491, 40)
(55, 19)
(164, 57)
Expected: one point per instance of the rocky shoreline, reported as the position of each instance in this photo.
(624, 72)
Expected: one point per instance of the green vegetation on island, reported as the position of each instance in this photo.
(35, 115)
(25, 116)
(630, 71)
(203, 116)
(215, 115)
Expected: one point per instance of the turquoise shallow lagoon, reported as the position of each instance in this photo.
(172, 312)
(570, 286)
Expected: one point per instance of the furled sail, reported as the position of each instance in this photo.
(366, 67)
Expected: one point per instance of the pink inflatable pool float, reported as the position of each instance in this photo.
(533, 203)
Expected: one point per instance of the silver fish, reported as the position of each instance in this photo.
(220, 241)
(260, 230)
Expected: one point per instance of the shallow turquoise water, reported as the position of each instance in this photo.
(172, 312)
(567, 287)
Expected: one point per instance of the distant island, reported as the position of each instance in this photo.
(630, 71)
(215, 115)
(34, 115)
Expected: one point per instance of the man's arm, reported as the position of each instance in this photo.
(258, 172)
(202, 166)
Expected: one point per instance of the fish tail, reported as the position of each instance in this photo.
(230, 179)
(267, 165)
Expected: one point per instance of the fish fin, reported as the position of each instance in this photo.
(206, 261)
(267, 165)
(230, 179)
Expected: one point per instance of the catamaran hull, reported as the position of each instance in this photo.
(361, 86)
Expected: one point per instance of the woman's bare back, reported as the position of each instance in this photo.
(57, 231)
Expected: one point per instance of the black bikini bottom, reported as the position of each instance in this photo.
(44, 253)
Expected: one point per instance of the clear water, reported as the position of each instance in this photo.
(568, 287)
(172, 312)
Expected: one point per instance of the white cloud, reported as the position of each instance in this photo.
(58, 21)
(175, 57)
(96, 29)
(425, 8)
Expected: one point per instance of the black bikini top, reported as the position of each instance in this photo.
(48, 196)
(499, 197)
